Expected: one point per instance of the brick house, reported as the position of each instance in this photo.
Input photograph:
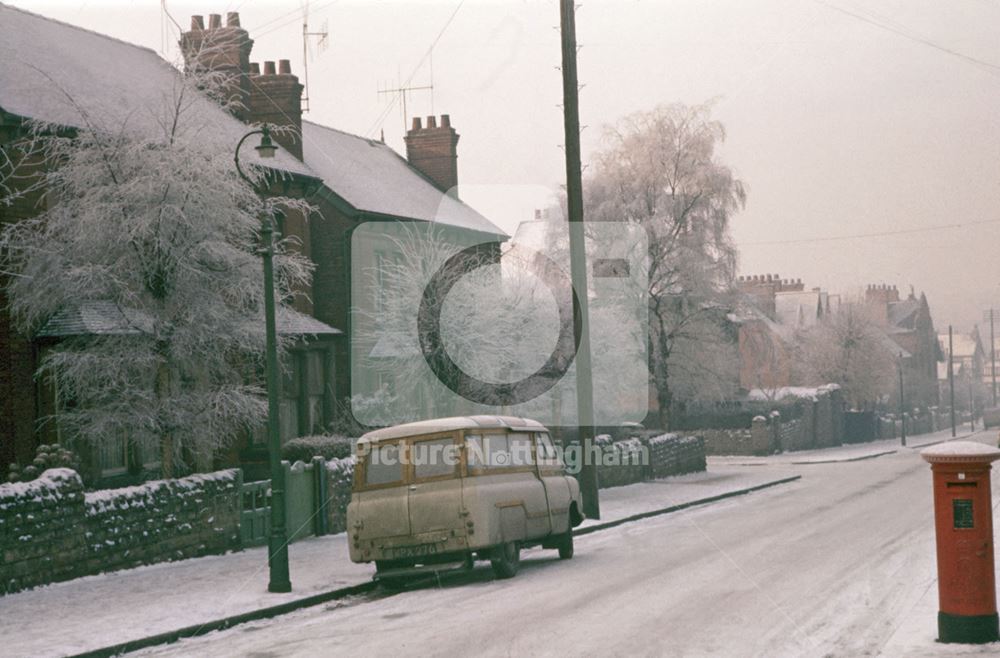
(773, 309)
(971, 368)
(908, 323)
(351, 180)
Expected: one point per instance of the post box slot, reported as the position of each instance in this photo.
(961, 509)
(961, 484)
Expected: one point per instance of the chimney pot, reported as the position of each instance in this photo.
(446, 121)
(284, 67)
(233, 19)
(197, 23)
(254, 68)
(416, 124)
(268, 68)
(432, 122)
(214, 21)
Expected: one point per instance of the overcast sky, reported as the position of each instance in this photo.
(845, 118)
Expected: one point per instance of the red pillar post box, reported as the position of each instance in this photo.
(963, 520)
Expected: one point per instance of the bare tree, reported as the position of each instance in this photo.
(157, 226)
(848, 348)
(660, 170)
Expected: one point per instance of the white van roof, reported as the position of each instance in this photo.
(451, 424)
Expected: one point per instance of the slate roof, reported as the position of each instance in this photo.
(292, 323)
(59, 73)
(903, 314)
(103, 318)
(100, 318)
(373, 178)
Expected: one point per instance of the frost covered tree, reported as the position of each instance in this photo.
(660, 170)
(492, 322)
(848, 349)
(155, 225)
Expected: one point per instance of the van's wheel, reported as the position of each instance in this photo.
(565, 545)
(505, 559)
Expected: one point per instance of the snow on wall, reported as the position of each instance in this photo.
(50, 530)
(670, 454)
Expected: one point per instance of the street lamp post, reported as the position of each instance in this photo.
(277, 542)
(902, 403)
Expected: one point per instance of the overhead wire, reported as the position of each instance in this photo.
(989, 67)
(876, 234)
(395, 97)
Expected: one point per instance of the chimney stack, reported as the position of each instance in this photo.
(433, 152)
(224, 50)
(276, 98)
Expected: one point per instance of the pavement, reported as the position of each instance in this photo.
(96, 612)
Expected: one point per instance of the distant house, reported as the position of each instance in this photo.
(970, 368)
(59, 73)
(773, 309)
(908, 323)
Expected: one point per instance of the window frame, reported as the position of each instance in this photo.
(474, 471)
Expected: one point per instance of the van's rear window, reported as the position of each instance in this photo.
(383, 465)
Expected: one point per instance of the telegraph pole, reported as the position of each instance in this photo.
(578, 258)
(951, 379)
(972, 405)
(902, 402)
(993, 357)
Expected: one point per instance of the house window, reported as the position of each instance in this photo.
(305, 386)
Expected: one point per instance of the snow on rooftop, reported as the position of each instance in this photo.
(62, 74)
(373, 178)
(963, 345)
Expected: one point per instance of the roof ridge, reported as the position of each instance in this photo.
(87, 30)
(349, 134)
(405, 162)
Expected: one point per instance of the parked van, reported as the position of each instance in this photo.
(438, 494)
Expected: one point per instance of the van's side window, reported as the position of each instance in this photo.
(383, 465)
(487, 451)
(546, 452)
(433, 458)
(520, 449)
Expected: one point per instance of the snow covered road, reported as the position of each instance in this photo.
(835, 564)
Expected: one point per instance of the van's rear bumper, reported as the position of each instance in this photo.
(416, 548)
(400, 573)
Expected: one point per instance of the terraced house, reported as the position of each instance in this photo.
(65, 75)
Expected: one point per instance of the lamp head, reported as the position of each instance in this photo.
(267, 148)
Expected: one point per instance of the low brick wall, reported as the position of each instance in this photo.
(623, 463)
(727, 442)
(670, 454)
(50, 530)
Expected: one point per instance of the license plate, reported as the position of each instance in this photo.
(420, 550)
